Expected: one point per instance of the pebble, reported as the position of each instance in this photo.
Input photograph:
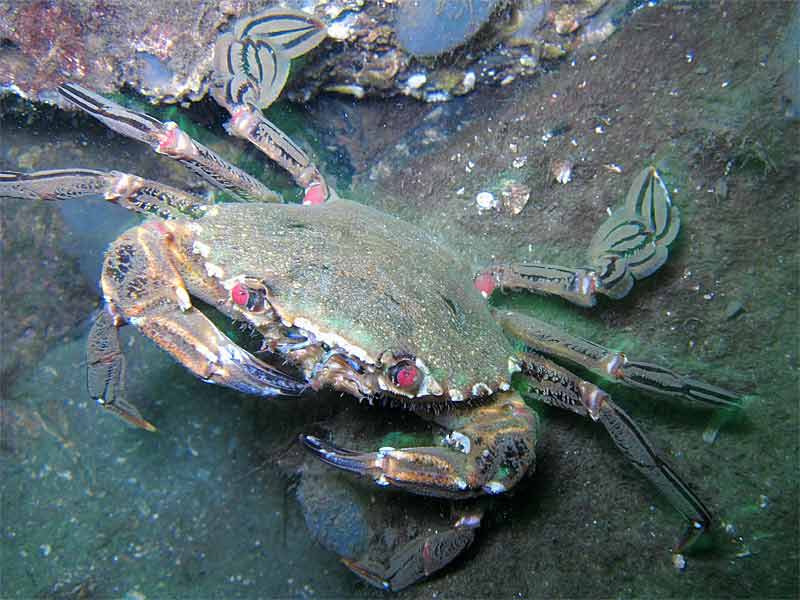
(679, 562)
(733, 309)
(486, 201)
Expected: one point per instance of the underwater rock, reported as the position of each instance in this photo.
(43, 299)
(164, 50)
(332, 511)
(426, 28)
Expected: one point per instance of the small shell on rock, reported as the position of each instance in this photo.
(468, 83)
(340, 30)
(349, 90)
(486, 201)
(416, 81)
(515, 196)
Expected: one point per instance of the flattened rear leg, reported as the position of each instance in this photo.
(419, 558)
(630, 245)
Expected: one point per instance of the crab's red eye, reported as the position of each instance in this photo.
(240, 294)
(406, 376)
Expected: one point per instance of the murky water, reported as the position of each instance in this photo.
(221, 501)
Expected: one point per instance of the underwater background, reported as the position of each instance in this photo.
(221, 501)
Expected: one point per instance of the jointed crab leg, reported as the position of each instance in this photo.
(558, 387)
(105, 375)
(488, 450)
(134, 193)
(630, 245)
(419, 558)
(553, 341)
(168, 139)
(249, 123)
(251, 67)
(578, 285)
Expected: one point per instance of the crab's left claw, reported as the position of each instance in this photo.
(419, 558)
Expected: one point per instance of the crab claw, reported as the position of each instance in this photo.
(431, 471)
(240, 370)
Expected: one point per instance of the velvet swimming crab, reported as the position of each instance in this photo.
(347, 298)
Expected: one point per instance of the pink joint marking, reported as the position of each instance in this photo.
(426, 557)
(239, 294)
(315, 194)
(168, 141)
(407, 376)
(159, 227)
(485, 284)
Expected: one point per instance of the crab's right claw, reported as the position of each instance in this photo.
(419, 558)
(634, 241)
(251, 64)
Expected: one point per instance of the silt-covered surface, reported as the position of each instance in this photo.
(208, 506)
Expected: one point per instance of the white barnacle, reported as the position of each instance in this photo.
(416, 81)
(429, 386)
(214, 270)
(504, 386)
(468, 521)
(125, 185)
(382, 481)
(456, 396)
(615, 363)
(514, 365)
(384, 450)
(485, 201)
(481, 389)
(201, 248)
(468, 82)
(494, 487)
(459, 441)
(561, 171)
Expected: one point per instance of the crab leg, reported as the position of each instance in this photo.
(554, 342)
(630, 245)
(251, 67)
(249, 123)
(134, 193)
(105, 375)
(578, 285)
(168, 139)
(558, 387)
(419, 558)
(489, 448)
